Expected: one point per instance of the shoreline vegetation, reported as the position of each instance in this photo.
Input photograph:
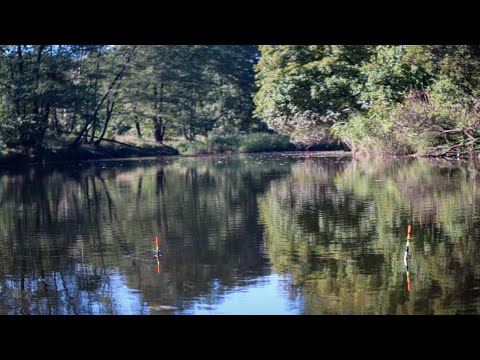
(82, 102)
(128, 147)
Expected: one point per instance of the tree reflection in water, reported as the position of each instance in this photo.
(333, 226)
(66, 231)
(336, 227)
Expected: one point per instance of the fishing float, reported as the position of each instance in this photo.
(405, 258)
(157, 255)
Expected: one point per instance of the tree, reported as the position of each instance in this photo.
(109, 98)
(38, 81)
(88, 93)
(304, 89)
(191, 90)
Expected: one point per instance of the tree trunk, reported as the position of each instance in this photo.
(159, 132)
(92, 137)
(137, 127)
(95, 92)
(44, 126)
(57, 127)
(136, 121)
(159, 129)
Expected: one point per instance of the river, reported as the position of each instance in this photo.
(246, 234)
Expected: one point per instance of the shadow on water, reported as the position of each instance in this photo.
(240, 234)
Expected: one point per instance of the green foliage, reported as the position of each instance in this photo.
(189, 90)
(411, 128)
(304, 89)
(395, 99)
(214, 144)
(235, 143)
(393, 72)
(87, 93)
(338, 230)
(263, 142)
(370, 133)
(37, 80)
(190, 147)
(377, 99)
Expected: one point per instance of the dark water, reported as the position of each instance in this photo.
(240, 235)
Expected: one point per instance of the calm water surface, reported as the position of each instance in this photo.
(250, 234)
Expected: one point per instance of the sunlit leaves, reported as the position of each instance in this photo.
(304, 89)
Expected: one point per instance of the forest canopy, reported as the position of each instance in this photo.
(380, 99)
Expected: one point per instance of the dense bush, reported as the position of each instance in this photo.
(217, 144)
(265, 142)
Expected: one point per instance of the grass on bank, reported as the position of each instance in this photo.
(251, 143)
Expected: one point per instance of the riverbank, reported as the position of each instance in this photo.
(56, 150)
(23, 156)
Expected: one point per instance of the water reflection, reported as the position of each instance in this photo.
(248, 234)
(67, 231)
(338, 229)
